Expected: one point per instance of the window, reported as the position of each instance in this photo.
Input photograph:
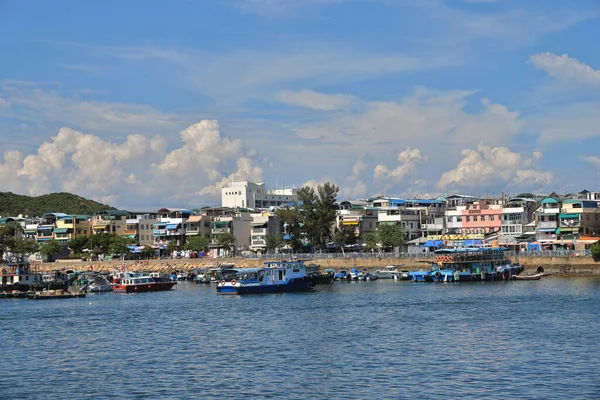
(483, 218)
(468, 219)
(491, 217)
(474, 218)
(459, 219)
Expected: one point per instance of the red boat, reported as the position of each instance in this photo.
(140, 284)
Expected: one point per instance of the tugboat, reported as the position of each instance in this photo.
(274, 277)
(468, 265)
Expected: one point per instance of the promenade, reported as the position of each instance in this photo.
(557, 263)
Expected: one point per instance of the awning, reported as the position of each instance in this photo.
(100, 227)
(387, 223)
(43, 239)
(30, 231)
(160, 224)
(45, 228)
(546, 229)
(565, 216)
(287, 237)
(350, 222)
(220, 224)
(61, 230)
(172, 226)
(433, 243)
(568, 230)
(131, 236)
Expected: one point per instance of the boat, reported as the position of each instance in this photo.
(535, 277)
(356, 275)
(326, 276)
(98, 283)
(20, 278)
(387, 272)
(54, 295)
(403, 275)
(339, 276)
(467, 265)
(274, 277)
(139, 284)
(202, 276)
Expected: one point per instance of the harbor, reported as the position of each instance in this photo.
(347, 339)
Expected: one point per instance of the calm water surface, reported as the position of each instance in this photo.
(537, 339)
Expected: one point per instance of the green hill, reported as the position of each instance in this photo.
(11, 205)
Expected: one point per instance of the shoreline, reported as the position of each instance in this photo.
(564, 266)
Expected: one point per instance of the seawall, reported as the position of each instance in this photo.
(575, 266)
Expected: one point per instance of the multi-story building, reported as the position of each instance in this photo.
(110, 221)
(547, 220)
(170, 226)
(483, 217)
(358, 216)
(263, 225)
(256, 196)
(69, 227)
(140, 227)
(517, 214)
(578, 218)
(198, 225)
(45, 229)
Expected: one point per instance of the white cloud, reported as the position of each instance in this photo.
(138, 170)
(316, 101)
(42, 106)
(408, 158)
(594, 160)
(568, 122)
(566, 69)
(490, 166)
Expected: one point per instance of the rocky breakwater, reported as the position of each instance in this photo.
(570, 265)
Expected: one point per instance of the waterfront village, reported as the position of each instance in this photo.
(526, 222)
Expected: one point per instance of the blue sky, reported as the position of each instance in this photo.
(147, 104)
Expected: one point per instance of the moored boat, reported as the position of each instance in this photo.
(20, 277)
(535, 277)
(387, 272)
(274, 277)
(467, 265)
(326, 276)
(139, 284)
(54, 295)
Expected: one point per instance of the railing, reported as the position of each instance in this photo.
(413, 256)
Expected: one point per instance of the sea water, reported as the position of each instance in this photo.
(382, 339)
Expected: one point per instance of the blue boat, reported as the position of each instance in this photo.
(274, 277)
(468, 265)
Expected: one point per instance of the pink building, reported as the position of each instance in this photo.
(483, 216)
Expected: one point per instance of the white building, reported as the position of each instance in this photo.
(256, 196)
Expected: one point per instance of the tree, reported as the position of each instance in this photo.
(118, 245)
(196, 243)
(100, 242)
(171, 247)
(51, 248)
(390, 236)
(8, 235)
(371, 241)
(596, 250)
(272, 242)
(78, 243)
(319, 212)
(227, 241)
(23, 247)
(293, 218)
(147, 252)
(339, 237)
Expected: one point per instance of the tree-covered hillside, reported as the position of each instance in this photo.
(11, 205)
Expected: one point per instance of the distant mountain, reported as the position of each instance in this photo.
(11, 205)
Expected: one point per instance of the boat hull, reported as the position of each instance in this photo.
(142, 288)
(294, 285)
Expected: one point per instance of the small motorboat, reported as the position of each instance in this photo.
(535, 277)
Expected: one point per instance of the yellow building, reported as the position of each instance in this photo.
(69, 227)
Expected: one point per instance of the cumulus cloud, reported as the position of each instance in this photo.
(566, 69)
(594, 160)
(408, 158)
(138, 170)
(488, 165)
(316, 101)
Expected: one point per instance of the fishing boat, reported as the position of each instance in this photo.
(20, 277)
(326, 276)
(139, 284)
(274, 277)
(467, 265)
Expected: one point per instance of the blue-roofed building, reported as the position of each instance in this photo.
(170, 226)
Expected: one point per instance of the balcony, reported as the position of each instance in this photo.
(513, 222)
(548, 224)
(259, 231)
(258, 243)
(176, 232)
(217, 231)
(130, 232)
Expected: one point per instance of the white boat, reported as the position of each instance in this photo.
(99, 284)
(387, 272)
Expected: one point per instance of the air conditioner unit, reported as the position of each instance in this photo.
(459, 230)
